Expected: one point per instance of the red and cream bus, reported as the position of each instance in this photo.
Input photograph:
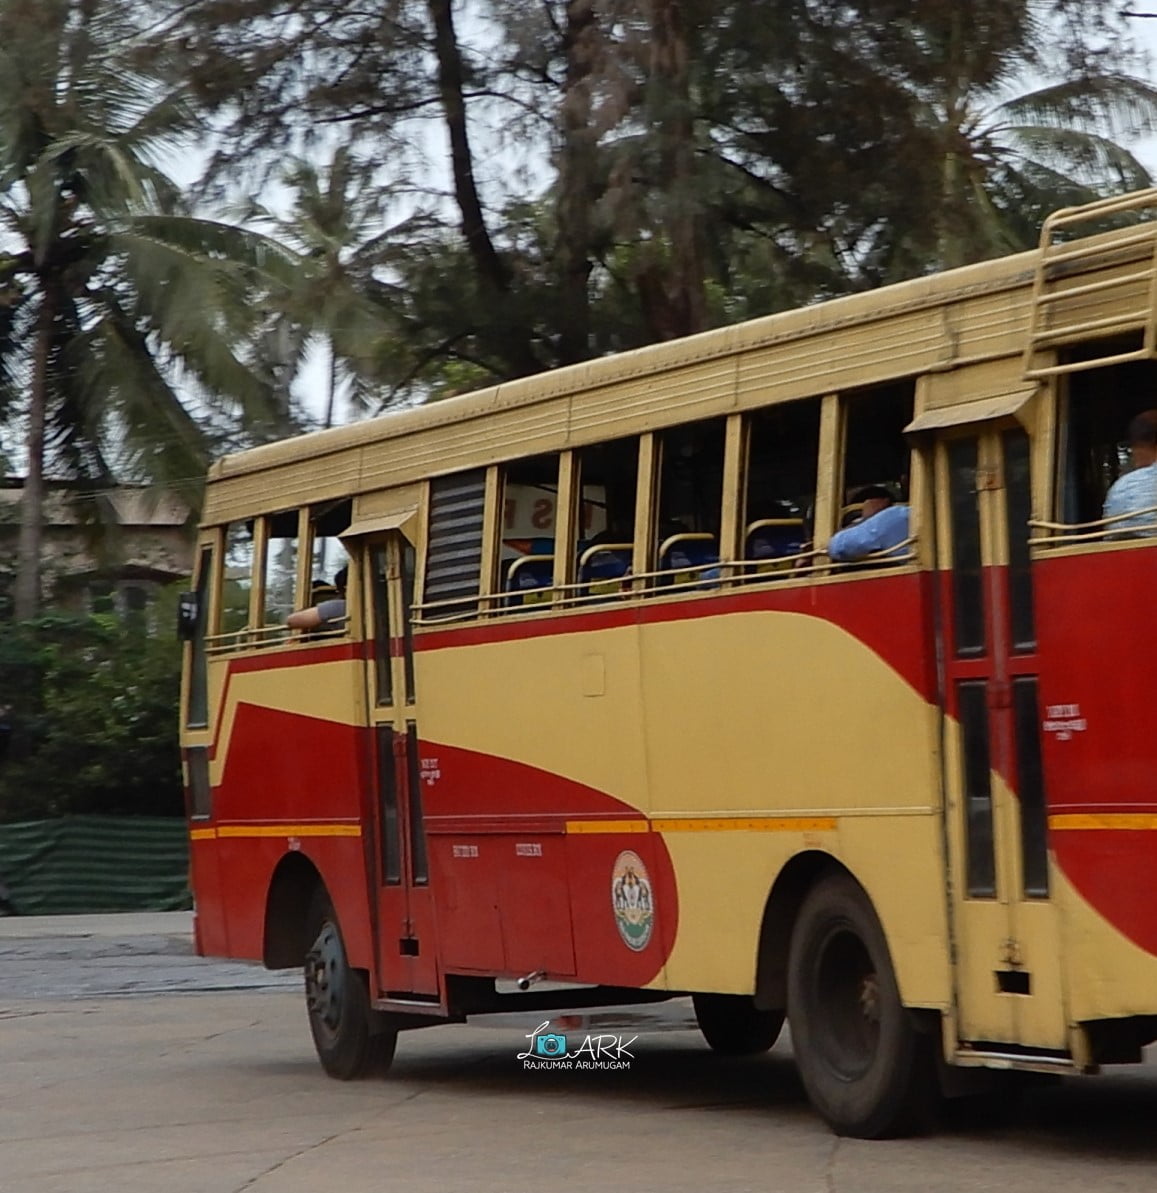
(604, 712)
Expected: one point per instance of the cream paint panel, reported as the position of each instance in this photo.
(761, 711)
(984, 929)
(388, 501)
(333, 691)
(1106, 975)
(900, 862)
(724, 879)
(525, 700)
(806, 732)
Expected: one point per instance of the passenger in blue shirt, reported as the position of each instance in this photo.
(882, 525)
(1136, 491)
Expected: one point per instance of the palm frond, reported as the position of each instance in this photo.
(1111, 104)
(1093, 160)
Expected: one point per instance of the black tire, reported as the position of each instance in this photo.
(867, 1068)
(733, 1026)
(352, 1040)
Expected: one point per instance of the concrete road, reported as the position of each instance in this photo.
(212, 1087)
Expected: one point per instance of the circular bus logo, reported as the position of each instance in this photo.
(632, 900)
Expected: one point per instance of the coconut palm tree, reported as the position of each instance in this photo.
(120, 312)
(336, 221)
(1004, 157)
(1005, 165)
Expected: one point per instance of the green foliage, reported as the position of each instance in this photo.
(91, 710)
(633, 170)
(124, 318)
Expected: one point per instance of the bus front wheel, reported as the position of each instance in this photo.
(348, 1034)
(867, 1068)
(732, 1025)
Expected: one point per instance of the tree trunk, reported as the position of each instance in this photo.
(510, 339)
(576, 181)
(27, 593)
(684, 290)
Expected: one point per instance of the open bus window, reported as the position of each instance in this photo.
(529, 524)
(237, 581)
(327, 553)
(876, 454)
(782, 460)
(609, 476)
(690, 498)
(1093, 445)
(281, 552)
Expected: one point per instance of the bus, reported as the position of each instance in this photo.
(604, 721)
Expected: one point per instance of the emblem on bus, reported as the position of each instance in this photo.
(632, 900)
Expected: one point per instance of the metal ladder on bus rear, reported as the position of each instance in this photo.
(1129, 258)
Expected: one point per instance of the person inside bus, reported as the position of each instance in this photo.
(881, 526)
(327, 614)
(1136, 491)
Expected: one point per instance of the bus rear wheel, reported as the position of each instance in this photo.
(350, 1037)
(866, 1067)
(732, 1025)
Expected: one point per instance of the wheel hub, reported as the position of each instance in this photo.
(324, 975)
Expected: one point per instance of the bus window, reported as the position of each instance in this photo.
(454, 545)
(529, 521)
(238, 578)
(1093, 445)
(876, 460)
(690, 499)
(327, 552)
(782, 455)
(609, 476)
(281, 550)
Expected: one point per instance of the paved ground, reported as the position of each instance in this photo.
(212, 1087)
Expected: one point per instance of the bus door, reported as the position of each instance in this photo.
(407, 953)
(1006, 932)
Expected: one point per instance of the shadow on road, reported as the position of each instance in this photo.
(1097, 1118)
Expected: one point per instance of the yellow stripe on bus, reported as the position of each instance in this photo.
(1103, 820)
(607, 826)
(284, 830)
(705, 824)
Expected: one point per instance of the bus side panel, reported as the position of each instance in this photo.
(526, 865)
(248, 864)
(465, 872)
(807, 726)
(1098, 690)
(211, 934)
(291, 783)
(625, 907)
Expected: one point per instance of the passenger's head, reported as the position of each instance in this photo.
(873, 499)
(1143, 438)
(339, 579)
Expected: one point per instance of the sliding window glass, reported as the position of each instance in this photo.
(281, 553)
(237, 582)
(780, 484)
(529, 520)
(690, 500)
(608, 476)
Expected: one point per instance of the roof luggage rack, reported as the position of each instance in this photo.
(1070, 306)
